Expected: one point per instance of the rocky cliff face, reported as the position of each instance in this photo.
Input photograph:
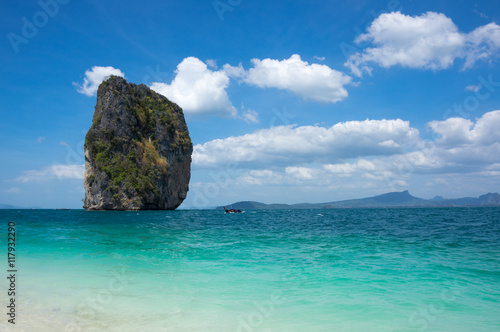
(490, 199)
(137, 152)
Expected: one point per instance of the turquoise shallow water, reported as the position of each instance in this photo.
(298, 270)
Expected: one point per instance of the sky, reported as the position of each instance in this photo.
(285, 101)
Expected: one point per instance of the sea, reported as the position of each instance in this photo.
(412, 269)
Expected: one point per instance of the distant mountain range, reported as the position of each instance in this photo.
(14, 207)
(393, 199)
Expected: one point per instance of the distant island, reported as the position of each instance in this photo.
(15, 207)
(401, 199)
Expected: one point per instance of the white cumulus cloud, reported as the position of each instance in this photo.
(429, 41)
(300, 173)
(311, 81)
(94, 77)
(291, 145)
(459, 131)
(482, 43)
(376, 150)
(198, 89)
(361, 165)
(52, 172)
(250, 116)
(465, 149)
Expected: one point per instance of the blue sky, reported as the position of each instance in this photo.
(286, 101)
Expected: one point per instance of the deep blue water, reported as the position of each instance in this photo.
(271, 270)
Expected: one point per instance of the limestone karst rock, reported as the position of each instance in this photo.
(137, 152)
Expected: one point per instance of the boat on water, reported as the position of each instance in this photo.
(232, 210)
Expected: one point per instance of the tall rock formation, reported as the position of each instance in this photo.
(137, 152)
